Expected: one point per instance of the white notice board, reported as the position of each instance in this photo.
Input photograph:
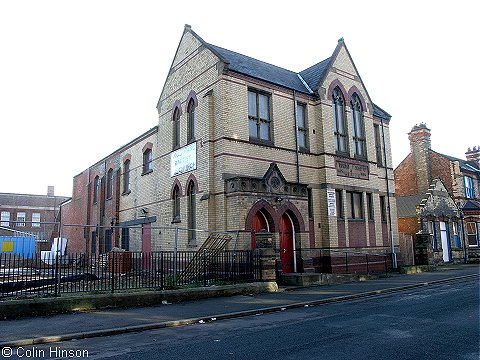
(331, 202)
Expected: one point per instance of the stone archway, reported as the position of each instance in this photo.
(260, 220)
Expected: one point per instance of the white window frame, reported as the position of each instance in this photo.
(5, 218)
(21, 217)
(36, 219)
(469, 189)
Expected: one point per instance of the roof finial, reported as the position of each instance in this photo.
(188, 27)
(340, 40)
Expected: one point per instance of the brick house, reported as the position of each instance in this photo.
(31, 215)
(454, 233)
(245, 145)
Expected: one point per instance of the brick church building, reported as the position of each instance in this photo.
(245, 145)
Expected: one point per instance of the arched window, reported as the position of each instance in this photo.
(339, 123)
(191, 113)
(176, 128)
(147, 161)
(176, 204)
(96, 185)
(192, 216)
(126, 176)
(109, 183)
(358, 127)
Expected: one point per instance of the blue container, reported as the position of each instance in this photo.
(18, 245)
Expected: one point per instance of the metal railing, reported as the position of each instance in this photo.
(123, 271)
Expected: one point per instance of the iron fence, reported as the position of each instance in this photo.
(124, 271)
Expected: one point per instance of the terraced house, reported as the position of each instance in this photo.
(301, 159)
(439, 194)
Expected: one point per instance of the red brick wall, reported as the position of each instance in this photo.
(371, 232)
(408, 225)
(342, 240)
(441, 169)
(74, 212)
(406, 177)
(357, 234)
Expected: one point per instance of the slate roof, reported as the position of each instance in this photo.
(380, 113)
(261, 70)
(32, 201)
(306, 81)
(407, 205)
(315, 73)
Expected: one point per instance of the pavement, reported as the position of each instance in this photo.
(62, 327)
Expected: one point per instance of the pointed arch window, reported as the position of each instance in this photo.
(358, 127)
(147, 161)
(96, 185)
(339, 123)
(192, 119)
(126, 176)
(176, 204)
(109, 183)
(176, 128)
(192, 215)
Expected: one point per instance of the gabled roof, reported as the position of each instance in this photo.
(306, 81)
(260, 70)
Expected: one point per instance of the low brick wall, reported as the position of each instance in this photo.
(11, 309)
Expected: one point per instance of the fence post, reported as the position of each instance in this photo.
(368, 272)
(386, 268)
(346, 262)
(57, 265)
(161, 271)
(175, 257)
(205, 267)
(113, 271)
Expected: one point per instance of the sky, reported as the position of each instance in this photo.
(79, 79)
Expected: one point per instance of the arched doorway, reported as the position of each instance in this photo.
(259, 225)
(287, 244)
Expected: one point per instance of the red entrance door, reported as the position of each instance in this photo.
(146, 245)
(286, 244)
(259, 225)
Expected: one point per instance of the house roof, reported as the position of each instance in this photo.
(11, 200)
(407, 205)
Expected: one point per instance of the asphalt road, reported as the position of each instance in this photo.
(436, 322)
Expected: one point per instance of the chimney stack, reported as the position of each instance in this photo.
(420, 145)
(51, 191)
(473, 155)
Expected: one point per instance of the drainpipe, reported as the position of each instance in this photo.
(296, 134)
(463, 239)
(392, 244)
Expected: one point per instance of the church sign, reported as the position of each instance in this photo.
(351, 170)
(183, 160)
